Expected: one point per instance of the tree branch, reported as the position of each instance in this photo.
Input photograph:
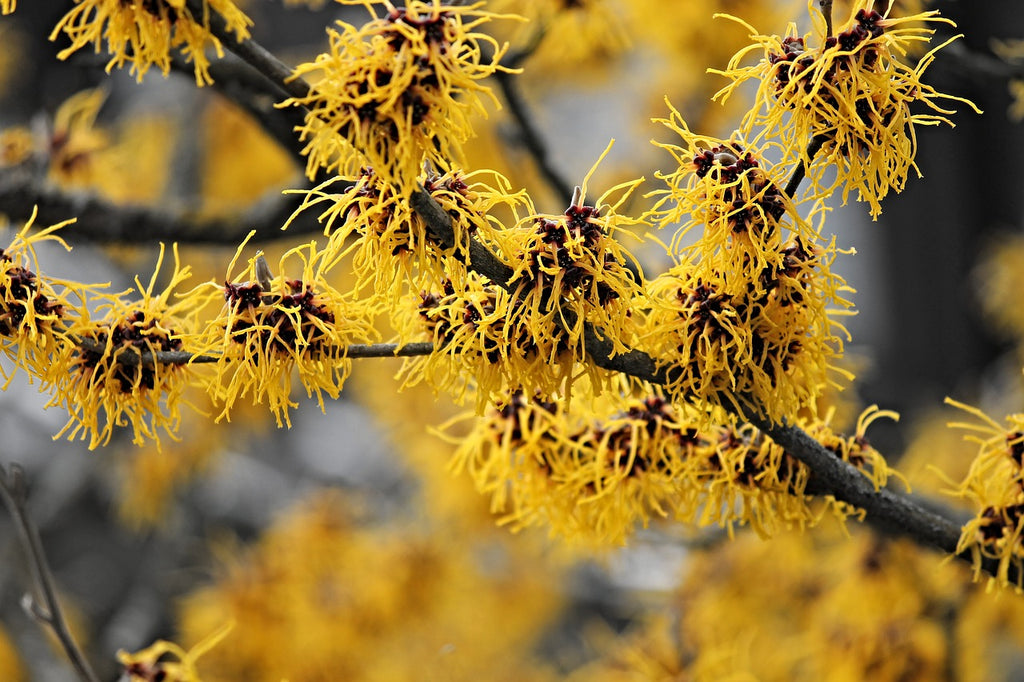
(529, 134)
(100, 220)
(46, 609)
(884, 509)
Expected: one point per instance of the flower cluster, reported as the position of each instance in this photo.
(592, 479)
(112, 377)
(391, 244)
(742, 321)
(271, 325)
(995, 485)
(481, 344)
(32, 309)
(144, 33)
(571, 269)
(398, 91)
(852, 94)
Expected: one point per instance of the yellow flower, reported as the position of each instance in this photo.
(592, 476)
(398, 91)
(16, 146)
(760, 344)
(481, 344)
(390, 244)
(146, 665)
(271, 325)
(143, 33)
(995, 484)
(111, 379)
(76, 140)
(728, 190)
(569, 269)
(33, 314)
(853, 94)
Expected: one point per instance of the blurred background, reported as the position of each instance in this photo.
(342, 548)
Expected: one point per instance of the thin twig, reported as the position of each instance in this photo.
(130, 357)
(100, 220)
(46, 609)
(530, 135)
(826, 9)
(252, 53)
(800, 171)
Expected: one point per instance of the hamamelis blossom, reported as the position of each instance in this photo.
(570, 269)
(594, 477)
(853, 93)
(482, 347)
(76, 140)
(152, 663)
(728, 191)
(759, 343)
(271, 327)
(111, 378)
(995, 485)
(144, 32)
(35, 310)
(400, 90)
(390, 243)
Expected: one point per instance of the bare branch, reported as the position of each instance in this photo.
(103, 221)
(45, 609)
(531, 137)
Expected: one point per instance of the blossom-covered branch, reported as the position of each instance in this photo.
(830, 474)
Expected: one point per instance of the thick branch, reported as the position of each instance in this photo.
(46, 609)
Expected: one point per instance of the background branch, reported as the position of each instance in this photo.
(46, 609)
(104, 221)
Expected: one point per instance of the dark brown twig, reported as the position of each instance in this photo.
(45, 608)
(826, 9)
(800, 171)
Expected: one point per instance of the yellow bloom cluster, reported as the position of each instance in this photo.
(995, 486)
(571, 269)
(389, 242)
(114, 379)
(482, 345)
(853, 94)
(592, 478)
(33, 307)
(829, 605)
(144, 33)
(743, 320)
(398, 91)
(270, 325)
